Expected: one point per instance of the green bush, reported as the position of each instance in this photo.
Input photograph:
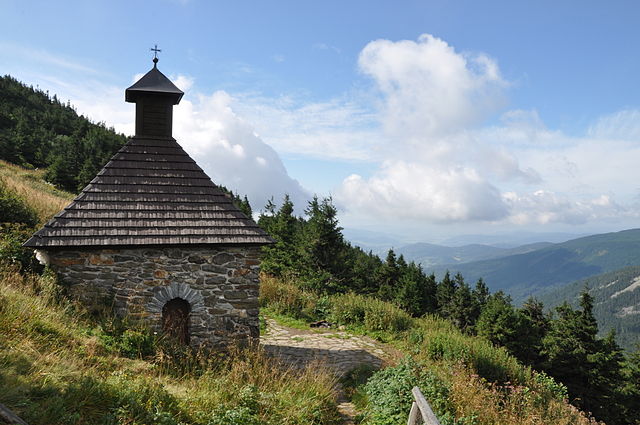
(390, 397)
(12, 236)
(348, 309)
(129, 340)
(375, 315)
(491, 363)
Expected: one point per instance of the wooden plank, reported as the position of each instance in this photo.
(428, 416)
(8, 417)
(414, 415)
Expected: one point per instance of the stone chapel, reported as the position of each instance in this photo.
(153, 236)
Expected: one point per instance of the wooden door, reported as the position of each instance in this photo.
(175, 320)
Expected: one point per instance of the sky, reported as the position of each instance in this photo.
(423, 120)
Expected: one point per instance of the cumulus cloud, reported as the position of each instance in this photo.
(437, 168)
(409, 190)
(430, 89)
(443, 165)
(230, 151)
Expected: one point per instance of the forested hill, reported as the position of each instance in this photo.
(531, 273)
(616, 302)
(38, 130)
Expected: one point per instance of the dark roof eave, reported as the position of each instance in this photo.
(140, 246)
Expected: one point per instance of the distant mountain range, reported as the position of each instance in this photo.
(608, 264)
(430, 255)
(530, 273)
(616, 302)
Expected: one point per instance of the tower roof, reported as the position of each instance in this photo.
(154, 82)
(150, 193)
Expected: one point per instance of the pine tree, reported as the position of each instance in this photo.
(388, 276)
(444, 294)
(499, 322)
(416, 292)
(590, 368)
(535, 327)
(280, 258)
(322, 250)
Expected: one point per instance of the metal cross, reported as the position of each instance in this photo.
(155, 51)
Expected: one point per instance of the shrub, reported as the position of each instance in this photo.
(390, 398)
(348, 309)
(12, 236)
(492, 363)
(375, 315)
(287, 298)
(127, 339)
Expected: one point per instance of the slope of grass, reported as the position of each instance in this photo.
(43, 197)
(58, 366)
(466, 379)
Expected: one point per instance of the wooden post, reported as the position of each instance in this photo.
(420, 404)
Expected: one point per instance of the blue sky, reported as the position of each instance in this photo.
(423, 119)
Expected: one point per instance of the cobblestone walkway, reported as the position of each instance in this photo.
(338, 350)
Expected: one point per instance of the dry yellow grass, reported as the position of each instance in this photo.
(492, 404)
(30, 185)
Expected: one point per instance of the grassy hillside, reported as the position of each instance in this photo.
(29, 184)
(466, 379)
(528, 274)
(617, 302)
(58, 366)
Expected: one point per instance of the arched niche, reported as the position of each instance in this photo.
(175, 320)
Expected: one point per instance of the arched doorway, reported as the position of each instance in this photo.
(175, 319)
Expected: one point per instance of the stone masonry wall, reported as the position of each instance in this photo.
(220, 284)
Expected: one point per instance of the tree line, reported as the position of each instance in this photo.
(600, 378)
(40, 131)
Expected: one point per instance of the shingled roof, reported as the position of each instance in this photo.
(150, 193)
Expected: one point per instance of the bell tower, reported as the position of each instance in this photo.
(154, 95)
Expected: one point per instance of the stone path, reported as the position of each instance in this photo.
(338, 350)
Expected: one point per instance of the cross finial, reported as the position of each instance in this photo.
(155, 51)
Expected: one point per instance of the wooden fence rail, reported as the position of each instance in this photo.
(420, 409)
(8, 417)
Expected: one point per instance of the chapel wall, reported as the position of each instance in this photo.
(221, 285)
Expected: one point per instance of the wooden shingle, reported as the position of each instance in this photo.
(150, 193)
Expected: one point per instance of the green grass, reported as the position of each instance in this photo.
(43, 197)
(60, 366)
(466, 379)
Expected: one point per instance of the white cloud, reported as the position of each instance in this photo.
(230, 152)
(429, 89)
(544, 207)
(443, 166)
(622, 125)
(337, 129)
(437, 169)
(409, 190)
